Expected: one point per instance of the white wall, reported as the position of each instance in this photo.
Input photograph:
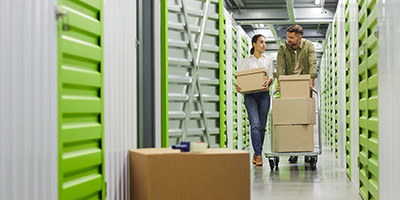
(354, 98)
(389, 98)
(120, 93)
(28, 100)
(341, 75)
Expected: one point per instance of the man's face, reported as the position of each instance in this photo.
(293, 39)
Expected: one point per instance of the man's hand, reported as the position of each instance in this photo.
(311, 84)
(238, 88)
(278, 88)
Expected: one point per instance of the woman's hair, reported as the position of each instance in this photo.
(254, 40)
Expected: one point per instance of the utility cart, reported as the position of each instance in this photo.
(273, 157)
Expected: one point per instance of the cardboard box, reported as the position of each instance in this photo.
(293, 111)
(250, 81)
(292, 138)
(295, 86)
(165, 173)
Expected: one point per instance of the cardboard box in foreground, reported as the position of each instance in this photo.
(293, 111)
(164, 173)
(293, 86)
(292, 138)
(250, 81)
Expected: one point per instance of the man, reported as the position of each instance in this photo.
(296, 56)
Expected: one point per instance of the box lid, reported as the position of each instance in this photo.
(294, 77)
(251, 71)
(169, 151)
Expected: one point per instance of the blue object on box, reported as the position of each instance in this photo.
(183, 146)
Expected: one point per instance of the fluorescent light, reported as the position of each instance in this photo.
(317, 2)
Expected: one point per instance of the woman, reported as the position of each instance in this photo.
(257, 104)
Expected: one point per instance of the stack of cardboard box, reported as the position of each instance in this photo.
(293, 116)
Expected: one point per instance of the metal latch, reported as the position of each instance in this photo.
(376, 33)
(61, 15)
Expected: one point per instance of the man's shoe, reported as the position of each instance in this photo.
(254, 159)
(293, 159)
(259, 161)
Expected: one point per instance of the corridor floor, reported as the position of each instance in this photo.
(298, 181)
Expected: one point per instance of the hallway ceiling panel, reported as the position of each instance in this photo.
(269, 16)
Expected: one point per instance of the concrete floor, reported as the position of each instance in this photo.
(298, 181)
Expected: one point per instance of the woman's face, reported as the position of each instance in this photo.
(260, 45)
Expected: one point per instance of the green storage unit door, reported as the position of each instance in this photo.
(222, 81)
(80, 101)
(368, 102)
(235, 127)
(245, 120)
(347, 54)
(335, 91)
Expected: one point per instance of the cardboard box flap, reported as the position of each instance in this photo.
(294, 77)
(169, 151)
(251, 71)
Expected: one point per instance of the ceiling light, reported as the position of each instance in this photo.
(317, 2)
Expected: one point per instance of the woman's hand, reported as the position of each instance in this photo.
(238, 88)
(266, 84)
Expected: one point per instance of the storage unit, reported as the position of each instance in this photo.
(190, 72)
(244, 50)
(234, 124)
(347, 55)
(368, 99)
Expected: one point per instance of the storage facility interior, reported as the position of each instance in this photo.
(83, 82)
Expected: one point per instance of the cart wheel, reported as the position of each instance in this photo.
(276, 158)
(313, 162)
(271, 163)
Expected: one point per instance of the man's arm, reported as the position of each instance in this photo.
(312, 61)
(280, 64)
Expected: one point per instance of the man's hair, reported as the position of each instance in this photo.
(296, 29)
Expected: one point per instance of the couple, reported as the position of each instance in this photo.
(295, 56)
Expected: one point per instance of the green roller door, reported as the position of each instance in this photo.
(325, 96)
(368, 99)
(335, 91)
(80, 101)
(347, 55)
(235, 132)
(222, 80)
(245, 120)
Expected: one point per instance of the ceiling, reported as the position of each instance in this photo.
(272, 17)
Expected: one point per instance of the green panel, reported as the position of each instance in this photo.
(368, 101)
(245, 122)
(164, 74)
(235, 111)
(81, 101)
